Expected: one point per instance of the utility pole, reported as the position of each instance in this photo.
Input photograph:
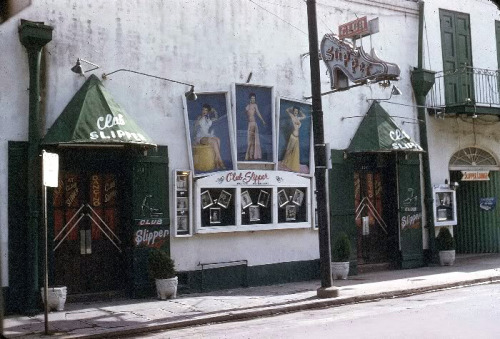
(327, 290)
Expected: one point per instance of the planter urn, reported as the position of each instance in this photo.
(166, 288)
(56, 297)
(340, 270)
(447, 258)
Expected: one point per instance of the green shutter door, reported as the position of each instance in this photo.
(341, 187)
(477, 229)
(410, 211)
(457, 53)
(150, 213)
(18, 221)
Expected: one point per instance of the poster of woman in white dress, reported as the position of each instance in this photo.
(209, 133)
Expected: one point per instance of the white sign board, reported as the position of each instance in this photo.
(50, 169)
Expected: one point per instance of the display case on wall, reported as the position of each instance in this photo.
(445, 206)
(251, 200)
(183, 203)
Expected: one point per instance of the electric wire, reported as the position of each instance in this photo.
(275, 15)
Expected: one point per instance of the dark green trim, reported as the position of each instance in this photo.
(471, 110)
(18, 217)
(246, 276)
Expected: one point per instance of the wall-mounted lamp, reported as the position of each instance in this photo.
(190, 95)
(78, 69)
(394, 91)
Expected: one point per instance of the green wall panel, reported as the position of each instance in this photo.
(17, 223)
(410, 208)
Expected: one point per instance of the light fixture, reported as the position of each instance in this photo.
(394, 91)
(78, 69)
(190, 95)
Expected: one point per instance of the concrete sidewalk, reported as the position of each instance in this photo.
(126, 317)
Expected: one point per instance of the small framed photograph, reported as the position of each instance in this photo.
(246, 200)
(298, 197)
(291, 213)
(206, 200)
(263, 198)
(181, 182)
(215, 217)
(254, 212)
(182, 223)
(282, 198)
(224, 198)
(182, 204)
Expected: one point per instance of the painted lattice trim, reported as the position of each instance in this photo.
(472, 157)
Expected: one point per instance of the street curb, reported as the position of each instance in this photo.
(294, 306)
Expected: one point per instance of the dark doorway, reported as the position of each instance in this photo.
(88, 228)
(375, 194)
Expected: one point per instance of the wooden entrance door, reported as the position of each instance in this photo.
(375, 211)
(87, 246)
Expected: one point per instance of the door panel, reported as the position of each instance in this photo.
(87, 245)
(376, 212)
(457, 54)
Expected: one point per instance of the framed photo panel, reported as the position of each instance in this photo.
(182, 223)
(254, 212)
(246, 200)
(291, 213)
(263, 198)
(298, 197)
(210, 133)
(206, 199)
(224, 198)
(294, 136)
(215, 216)
(254, 121)
(182, 203)
(282, 198)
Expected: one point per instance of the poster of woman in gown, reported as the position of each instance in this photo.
(209, 133)
(254, 123)
(294, 136)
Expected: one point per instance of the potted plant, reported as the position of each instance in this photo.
(446, 246)
(162, 268)
(341, 251)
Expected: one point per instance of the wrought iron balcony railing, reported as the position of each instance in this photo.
(466, 90)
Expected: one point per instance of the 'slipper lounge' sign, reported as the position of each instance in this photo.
(355, 63)
(475, 175)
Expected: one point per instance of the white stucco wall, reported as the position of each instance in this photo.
(211, 44)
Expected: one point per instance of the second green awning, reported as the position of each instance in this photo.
(379, 133)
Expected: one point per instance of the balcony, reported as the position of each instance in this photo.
(467, 90)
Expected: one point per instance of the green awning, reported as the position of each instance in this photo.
(92, 117)
(379, 133)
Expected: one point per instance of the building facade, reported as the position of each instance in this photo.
(225, 183)
(461, 47)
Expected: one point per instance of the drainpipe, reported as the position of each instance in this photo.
(33, 36)
(422, 81)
